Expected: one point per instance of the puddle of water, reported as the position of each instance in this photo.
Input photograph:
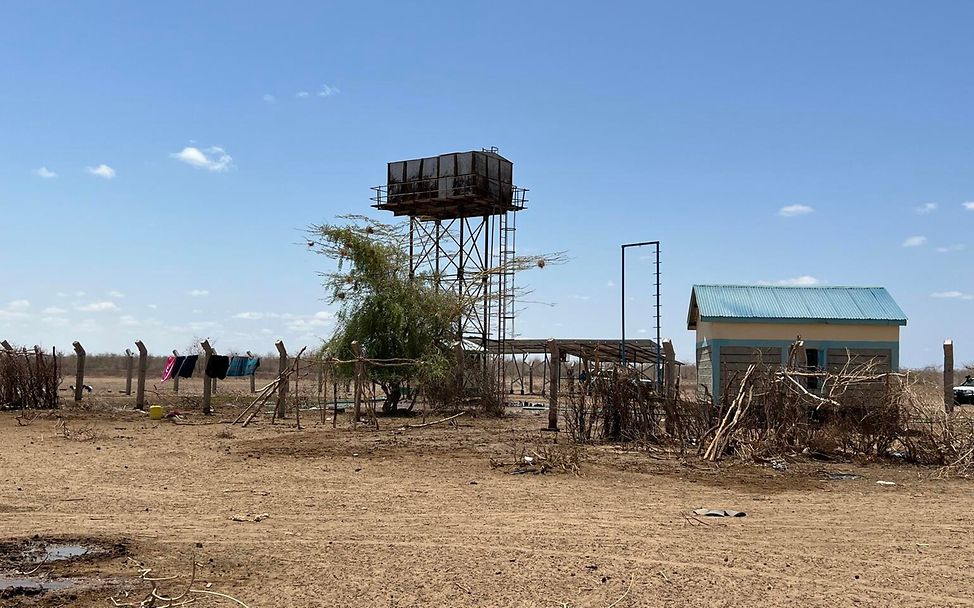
(54, 552)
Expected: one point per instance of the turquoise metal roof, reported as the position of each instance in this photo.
(777, 304)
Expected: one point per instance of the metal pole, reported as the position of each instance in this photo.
(659, 337)
(623, 266)
(623, 307)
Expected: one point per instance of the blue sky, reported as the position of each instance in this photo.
(158, 162)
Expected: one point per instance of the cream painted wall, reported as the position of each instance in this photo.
(789, 331)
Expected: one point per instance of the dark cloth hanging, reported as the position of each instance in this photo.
(252, 366)
(243, 366)
(184, 366)
(217, 366)
(238, 366)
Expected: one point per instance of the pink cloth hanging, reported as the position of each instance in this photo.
(168, 370)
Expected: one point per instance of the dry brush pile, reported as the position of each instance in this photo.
(769, 412)
(29, 380)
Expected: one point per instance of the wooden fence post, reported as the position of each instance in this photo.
(207, 384)
(359, 381)
(175, 376)
(670, 384)
(949, 376)
(79, 376)
(553, 385)
(129, 365)
(333, 373)
(143, 365)
(253, 376)
(282, 387)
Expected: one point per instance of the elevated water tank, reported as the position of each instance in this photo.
(459, 184)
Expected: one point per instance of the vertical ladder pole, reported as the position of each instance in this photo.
(659, 362)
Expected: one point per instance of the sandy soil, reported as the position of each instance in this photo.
(421, 518)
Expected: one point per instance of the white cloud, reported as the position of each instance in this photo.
(196, 293)
(152, 306)
(580, 297)
(18, 305)
(328, 91)
(303, 94)
(914, 241)
(98, 307)
(79, 294)
(926, 208)
(115, 294)
(128, 321)
(88, 326)
(54, 321)
(53, 310)
(268, 98)
(256, 316)
(640, 331)
(794, 210)
(952, 248)
(947, 294)
(212, 159)
(610, 284)
(102, 171)
(802, 281)
(969, 206)
(45, 173)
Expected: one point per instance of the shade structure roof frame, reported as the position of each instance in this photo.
(602, 350)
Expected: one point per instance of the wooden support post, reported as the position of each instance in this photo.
(670, 379)
(129, 367)
(253, 376)
(297, 393)
(321, 385)
(79, 375)
(6, 345)
(334, 389)
(949, 376)
(544, 377)
(143, 366)
(531, 379)
(283, 386)
(207, 384)
(175, 373)
(553, 385)
(359, 381)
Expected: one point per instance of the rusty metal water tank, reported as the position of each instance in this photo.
(459, 184)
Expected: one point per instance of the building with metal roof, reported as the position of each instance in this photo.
(738, 325)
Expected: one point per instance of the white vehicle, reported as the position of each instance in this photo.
(964, 393)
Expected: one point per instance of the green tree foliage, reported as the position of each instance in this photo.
(391, 315)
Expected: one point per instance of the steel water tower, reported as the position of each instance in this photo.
(462, 209)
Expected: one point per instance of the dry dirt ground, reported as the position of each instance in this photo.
(420, 518)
